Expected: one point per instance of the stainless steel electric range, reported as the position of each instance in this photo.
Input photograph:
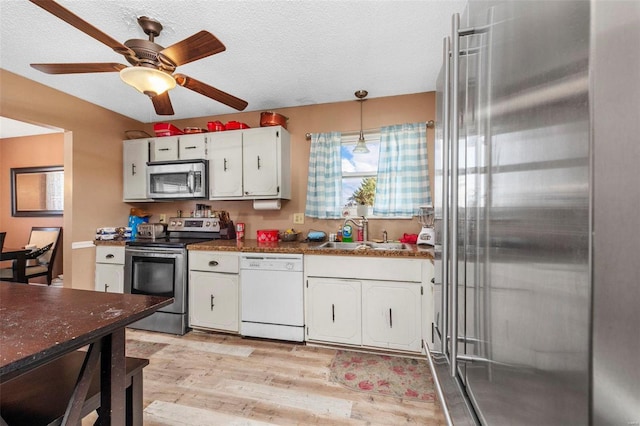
(159, 267)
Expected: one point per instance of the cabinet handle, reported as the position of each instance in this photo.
(189, 147)
(109, 256)
(333, 312)
(106, 287)
(390, 318)
(212, 305)
(163, 149)
(133, 169)
(213, 263)
(225, 164)
(258, 162)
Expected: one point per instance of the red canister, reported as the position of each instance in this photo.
(239, 231)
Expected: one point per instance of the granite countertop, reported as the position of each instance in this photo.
(253, 246)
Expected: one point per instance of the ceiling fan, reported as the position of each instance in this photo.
(152, 67)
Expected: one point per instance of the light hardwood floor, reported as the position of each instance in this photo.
(218, 379)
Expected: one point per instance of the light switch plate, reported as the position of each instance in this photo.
(163, 218)
(298, 218)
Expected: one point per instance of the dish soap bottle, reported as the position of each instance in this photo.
(347, 233)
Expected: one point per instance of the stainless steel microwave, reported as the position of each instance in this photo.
(177, 179)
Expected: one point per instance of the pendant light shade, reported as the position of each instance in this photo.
(150, 81)
(361, 145)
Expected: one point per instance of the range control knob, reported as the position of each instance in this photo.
(289, 266)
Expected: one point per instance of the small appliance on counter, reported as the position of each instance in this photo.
(152, 230)
(427, 233)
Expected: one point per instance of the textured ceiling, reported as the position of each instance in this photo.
(279, 53)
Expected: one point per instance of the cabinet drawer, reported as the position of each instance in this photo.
(110, 254)
(213, 261)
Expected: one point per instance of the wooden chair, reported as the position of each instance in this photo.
(43, 265)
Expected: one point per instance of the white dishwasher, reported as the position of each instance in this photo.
(271, 292)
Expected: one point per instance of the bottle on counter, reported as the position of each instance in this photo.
(347, 233)
(339, 234)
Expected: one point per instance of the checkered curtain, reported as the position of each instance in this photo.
(324, 184)
(403, 176)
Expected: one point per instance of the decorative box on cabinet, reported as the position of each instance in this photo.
(109, 276)
(214, 290)
(250, 164)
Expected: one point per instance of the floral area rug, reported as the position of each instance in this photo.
(399, 377)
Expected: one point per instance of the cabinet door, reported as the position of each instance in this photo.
(164, 149)
(109, 278)
(333, 310)
(225, 165)
(260, 161)
(391, 316)
(213, 300)
(192, 147)
(135, 154)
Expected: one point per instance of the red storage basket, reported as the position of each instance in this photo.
(267, 235)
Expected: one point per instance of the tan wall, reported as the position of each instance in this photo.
(343, 116)
(92, 162)
(30, 151)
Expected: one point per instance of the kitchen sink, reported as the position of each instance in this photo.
(363, 245)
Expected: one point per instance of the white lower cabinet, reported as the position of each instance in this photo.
(367, 301)
(109, 276)
(391, 315)
(214, 290)
(333, 310)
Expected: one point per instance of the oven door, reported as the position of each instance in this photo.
(157, 271)
(177, 180)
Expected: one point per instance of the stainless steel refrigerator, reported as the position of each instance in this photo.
(537, 317)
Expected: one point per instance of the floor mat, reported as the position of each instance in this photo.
(383, 374)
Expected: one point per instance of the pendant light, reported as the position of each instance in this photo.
(361, 145)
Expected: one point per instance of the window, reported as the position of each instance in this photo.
(359, 172)
(396, 165)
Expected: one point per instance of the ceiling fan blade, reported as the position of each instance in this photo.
(198, 46)
(75, 21)
(162, 104)
(210, 92)
(79, 68)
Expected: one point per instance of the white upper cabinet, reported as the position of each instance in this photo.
(135, 154)
(250, 164)
(192, 147)
(164, 149)
(225, 165)
(183, 147)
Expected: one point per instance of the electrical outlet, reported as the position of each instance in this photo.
(163, 217)
(298, 218)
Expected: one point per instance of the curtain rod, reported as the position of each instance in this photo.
(430, 125)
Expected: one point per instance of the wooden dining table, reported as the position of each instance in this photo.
(40, 324)
(19, 255)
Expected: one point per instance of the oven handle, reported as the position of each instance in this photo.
(154, 252)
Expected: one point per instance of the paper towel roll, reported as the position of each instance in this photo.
(266, 204)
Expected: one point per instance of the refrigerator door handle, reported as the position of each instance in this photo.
(445, 195)
(453, 283)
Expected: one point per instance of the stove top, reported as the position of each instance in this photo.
(170, 242)
(182, 232)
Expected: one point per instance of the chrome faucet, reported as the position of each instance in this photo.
(364, 223)
(385, 237)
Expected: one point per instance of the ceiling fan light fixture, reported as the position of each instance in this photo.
(150, 81)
